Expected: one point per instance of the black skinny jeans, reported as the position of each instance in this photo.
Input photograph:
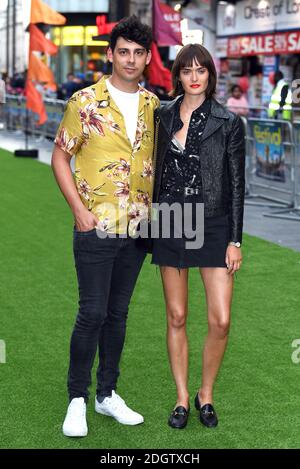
(107, 270)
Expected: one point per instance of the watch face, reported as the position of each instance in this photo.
(238, 245)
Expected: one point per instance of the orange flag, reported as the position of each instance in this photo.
(34, 102)
(42, 13)
(38, 71)
(39, 42)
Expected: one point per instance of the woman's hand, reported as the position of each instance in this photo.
(233, 259)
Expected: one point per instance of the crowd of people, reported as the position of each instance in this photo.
(74, 82)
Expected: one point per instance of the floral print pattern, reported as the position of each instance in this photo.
(141, 128)
(143, 197)
(113, 178)
(117, 168)
(136, 213)
(87, 95)
(112, 125)
(91, 120)
(148, 169)
(64, 141)
(84, 189)
(122, 192)
(103, 212)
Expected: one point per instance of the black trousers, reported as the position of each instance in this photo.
(107, 270)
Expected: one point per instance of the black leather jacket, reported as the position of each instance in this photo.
(222, 159)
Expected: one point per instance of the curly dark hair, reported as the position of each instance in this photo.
(132, 29)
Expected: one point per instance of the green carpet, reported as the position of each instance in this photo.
(257, 392)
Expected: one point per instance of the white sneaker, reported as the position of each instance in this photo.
(115, 407)
(75, 421)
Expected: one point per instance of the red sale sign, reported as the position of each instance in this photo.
(264, 44)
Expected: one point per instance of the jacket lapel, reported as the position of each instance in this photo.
(212, 125)
(215, 120)
(167, 115)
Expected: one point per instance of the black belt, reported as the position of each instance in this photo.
(184, 190)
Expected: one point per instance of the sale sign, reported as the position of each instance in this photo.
(264, 44)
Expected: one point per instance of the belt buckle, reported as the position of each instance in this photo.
(190, 191)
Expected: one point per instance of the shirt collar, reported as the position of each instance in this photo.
(103, 94)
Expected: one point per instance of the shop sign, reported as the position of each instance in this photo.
(68, 36)
(257, 16)
(76, 36)
(264, 44)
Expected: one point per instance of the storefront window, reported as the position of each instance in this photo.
(78, 52)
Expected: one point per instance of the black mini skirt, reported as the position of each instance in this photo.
(173, 252)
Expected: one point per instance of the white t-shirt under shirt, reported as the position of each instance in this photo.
(128, 103)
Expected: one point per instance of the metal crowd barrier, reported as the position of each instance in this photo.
(297, 164)
(272, 172)
(16, 117)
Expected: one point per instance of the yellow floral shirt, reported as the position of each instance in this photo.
(114, 178)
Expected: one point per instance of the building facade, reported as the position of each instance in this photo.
(79, 52)
(14, 19)
(256, 38)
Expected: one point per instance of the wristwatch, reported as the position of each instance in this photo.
(236, 244)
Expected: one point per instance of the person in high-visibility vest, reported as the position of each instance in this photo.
(281, 99)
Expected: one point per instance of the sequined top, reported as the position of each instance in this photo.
(182, 165)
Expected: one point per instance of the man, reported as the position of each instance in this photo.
(110, 128)
(69, 86)
(280, 105)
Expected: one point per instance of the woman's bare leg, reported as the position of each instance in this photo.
(175, 285)
(218, 286)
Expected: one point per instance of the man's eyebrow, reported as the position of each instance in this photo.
(135, 50)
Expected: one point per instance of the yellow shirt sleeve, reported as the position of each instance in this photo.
(69, 136)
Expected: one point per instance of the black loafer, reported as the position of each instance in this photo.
(208, 414)
(179, 417)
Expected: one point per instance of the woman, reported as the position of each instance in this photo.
(199, 160)
(238, 102)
